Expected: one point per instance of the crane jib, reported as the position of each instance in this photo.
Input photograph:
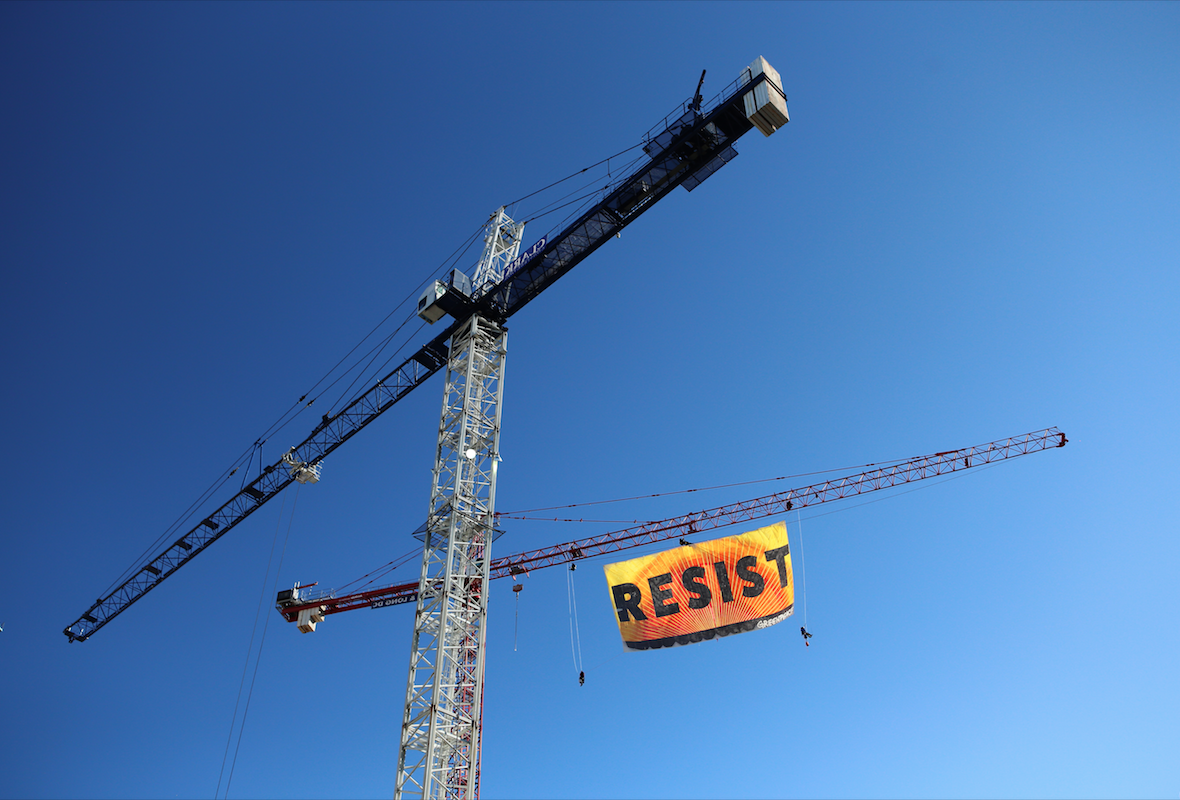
(698, 522)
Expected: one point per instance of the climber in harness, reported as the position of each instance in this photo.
(806, 635)
(581, 678)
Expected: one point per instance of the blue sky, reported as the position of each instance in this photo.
(967, 231)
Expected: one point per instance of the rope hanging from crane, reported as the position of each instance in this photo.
(803, 576)
(261, 643)
(516, 626)
(575, 632)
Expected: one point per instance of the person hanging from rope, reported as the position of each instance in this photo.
(581, 678)
(806, 635)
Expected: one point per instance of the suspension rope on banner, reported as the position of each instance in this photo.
(803, 574)
(516, 587)
(575, 632)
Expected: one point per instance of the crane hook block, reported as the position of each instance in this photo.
(301, 470)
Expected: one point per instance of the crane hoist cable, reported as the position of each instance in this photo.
(576, 174)
(658, 545)
(878, 464)
(261, 465)
(802, 570)
(586, 201)
(546, 210)
(187, 514)
(374, 352)
(261, 643)
(447, 263)
(379, 572)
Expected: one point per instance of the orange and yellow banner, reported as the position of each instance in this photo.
(700, 591)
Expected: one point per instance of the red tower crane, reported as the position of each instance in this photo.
(308, 608)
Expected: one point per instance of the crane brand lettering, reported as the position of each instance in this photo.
(701, 591)
(395, 601)
(515, 264)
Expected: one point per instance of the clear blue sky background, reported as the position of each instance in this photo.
(968, 231)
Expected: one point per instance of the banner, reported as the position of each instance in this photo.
(700, 591)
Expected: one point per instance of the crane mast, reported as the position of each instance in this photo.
(438, 756)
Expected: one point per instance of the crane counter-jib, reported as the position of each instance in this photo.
(684, 149)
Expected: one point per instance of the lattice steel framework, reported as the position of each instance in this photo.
(686, 147)
(884, 477)
(439, 752)
(501, 244)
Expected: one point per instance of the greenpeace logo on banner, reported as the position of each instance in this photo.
(701, 591)
(515, 264)
(395, 601)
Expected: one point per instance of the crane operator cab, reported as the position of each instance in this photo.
(451, 295)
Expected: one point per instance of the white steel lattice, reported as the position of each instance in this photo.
(501, 245)
(439, 752)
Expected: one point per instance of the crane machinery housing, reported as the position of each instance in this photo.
(439, 750)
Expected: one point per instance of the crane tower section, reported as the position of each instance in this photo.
(501, 244)
(439, 752)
